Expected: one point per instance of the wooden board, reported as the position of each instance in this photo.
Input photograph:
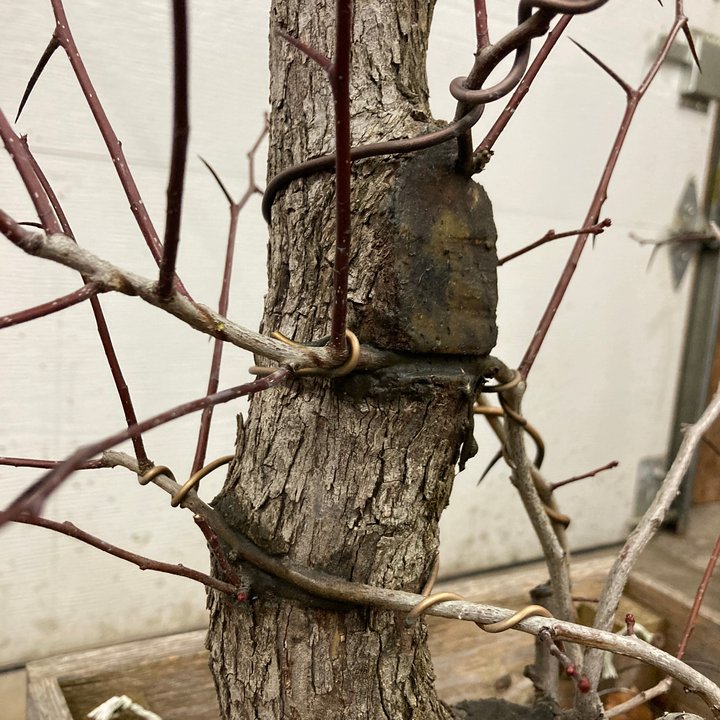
(169, 676)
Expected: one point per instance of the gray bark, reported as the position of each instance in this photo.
(350, 476)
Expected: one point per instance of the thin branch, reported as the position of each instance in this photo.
(144, 563)
(48, 464)
(19, 155)
(88, 290)
(223, 304)
(524, 86)
(32, 499)
(63, 250)
(592, 473)
(181, 132)
(482, 36)
(99, 316)
(555, 554)
(697, 602)
(339, 74)
(551, 235)
(319, 584)
(646, 528)
(632, 101)
(640, 699)
(64, 36)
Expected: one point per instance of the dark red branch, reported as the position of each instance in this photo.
(592, 473)
(19, 155)
(86, 291)
(99, 316)
(144, 563)
(223, 304)
(49, 464)
(178, 161)
(64, 37)
(524, 86)
(551, 235)
(482, 35)
(697, 602)
(340, 81)
(32, 499)
(633, 98)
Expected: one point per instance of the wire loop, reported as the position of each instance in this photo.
(345, 368)
(154, 472)
(195, 478)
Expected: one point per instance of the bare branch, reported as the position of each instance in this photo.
(64, 37)
(319, 584)
(144, 563)
(697, 602)
(646, 528)
(551, 235)
(88, 290)
(32, 499)
(592, 473)
(181, 132)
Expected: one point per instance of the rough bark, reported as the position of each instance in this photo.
(350, 476)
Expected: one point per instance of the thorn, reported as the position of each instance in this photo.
(322, 60)
(608, 70)
(691, 45)
(53, 45)
(217, 179)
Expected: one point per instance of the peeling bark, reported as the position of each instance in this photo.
(348, 476)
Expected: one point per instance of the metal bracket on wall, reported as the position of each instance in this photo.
(690, 232)
(700, 85)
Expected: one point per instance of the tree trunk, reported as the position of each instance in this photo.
(350, 476)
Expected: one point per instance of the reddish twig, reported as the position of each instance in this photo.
(20, 157)
(523, 87)
(48, 464)
(697, 602)
(566, 663)
(482, 36)
(216, 548)
(223, 304)
(144, 563)
(339, 74)
(63, 37)
(32, 499)
(551, 235)
(633, 97)
(88, 290)
(592, 473)
(181, 132)
(99, 316)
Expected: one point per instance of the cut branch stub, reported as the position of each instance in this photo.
(438, 291)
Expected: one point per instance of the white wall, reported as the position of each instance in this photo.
(602, 387)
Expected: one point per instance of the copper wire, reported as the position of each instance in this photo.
(195, 478)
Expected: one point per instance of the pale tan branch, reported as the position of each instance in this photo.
(332, 588)
(646, 529)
